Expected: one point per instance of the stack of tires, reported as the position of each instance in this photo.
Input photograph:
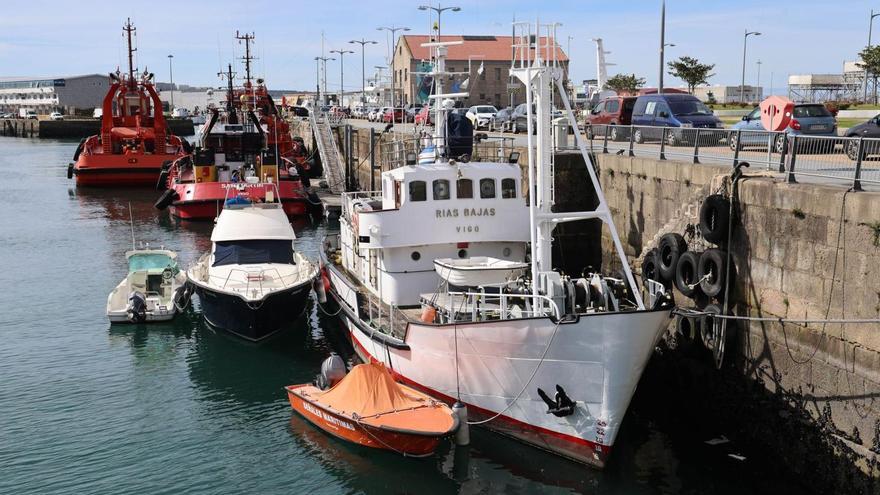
(700, 273)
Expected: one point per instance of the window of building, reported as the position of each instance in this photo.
(497, 73)
(464, 189)
(508, 188)
(497, 99)
(482, 96)
(487, 188)
(406, 74)
(441, 189)
(417, 191)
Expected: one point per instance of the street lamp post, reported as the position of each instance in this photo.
(870, 29)
(341, 72)
(363, 42)
(393, 30)
(171, 76)
(742, 86)
(758, 82)
(317, 80)
(324, 91)
(662, 45)
(439, 10)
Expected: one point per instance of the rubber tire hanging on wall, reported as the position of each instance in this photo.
(686, 271)
(649, 268)
(707, 328)
(714, 218)
(714, 262)
(669, 249)
(687, 326)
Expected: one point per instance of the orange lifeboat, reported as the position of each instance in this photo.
(369, 408)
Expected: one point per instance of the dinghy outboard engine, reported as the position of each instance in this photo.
(332, 371)
(137, 307)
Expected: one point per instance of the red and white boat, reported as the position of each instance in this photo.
(247, 148)
(368, 408)
(135, 140)
(548, 359)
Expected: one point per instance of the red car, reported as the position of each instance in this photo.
(614, 110)
(424, 116)
(397, 117)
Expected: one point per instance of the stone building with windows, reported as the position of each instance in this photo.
(484, 62)
(67, 94)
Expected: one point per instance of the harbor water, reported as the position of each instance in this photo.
(87, 407)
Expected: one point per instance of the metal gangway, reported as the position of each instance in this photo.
(331, 158)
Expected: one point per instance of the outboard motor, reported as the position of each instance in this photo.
(137, 307)
(332, 371)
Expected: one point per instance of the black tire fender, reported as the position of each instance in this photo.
(166, 199)
(671, 246)
(650, 270)
(70, 170)
(712, 271)
(686, 273)
(707, 325)
(714, 218)
(687, 326)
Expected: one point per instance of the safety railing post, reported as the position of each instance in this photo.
(857, 178)
(769, 150)
(605, 140)
(631, 130)
(737, 148)
(792, 160)
(783, 150)
(663, 144)
(697, 147)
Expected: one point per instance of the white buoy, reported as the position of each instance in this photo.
(462, 434)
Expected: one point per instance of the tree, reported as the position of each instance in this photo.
(691, 71)
(624, 83)
(871, 62)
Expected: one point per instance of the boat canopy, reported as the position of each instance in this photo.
(252, 252)
(369, 391)
(252, 223)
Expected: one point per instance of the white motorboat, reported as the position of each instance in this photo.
(548, 359)
(479, 271)
(151, 289)
(253, 281)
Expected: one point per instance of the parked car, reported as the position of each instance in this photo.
(481, 115)
(395, 115)
(677, 112)
(519, 119)
(501, 122)
(56, 116)
(615, 110)
(410, 112)
(299, 111)
(869, 129)
(424, 116)
(808, 119)
(6, 116)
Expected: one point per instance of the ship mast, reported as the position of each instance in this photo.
(231, 115)
(129, 28)
(247, 38)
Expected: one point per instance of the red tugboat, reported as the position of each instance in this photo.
(134, 141)
(242, 155)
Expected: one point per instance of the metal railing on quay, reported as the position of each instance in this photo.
(850, 161)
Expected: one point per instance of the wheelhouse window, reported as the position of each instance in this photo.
(252, 252)
(441, 189)
(508, 188)
(464, 189)
(487, 188)
(418, 191)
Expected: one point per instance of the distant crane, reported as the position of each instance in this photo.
(601, 65)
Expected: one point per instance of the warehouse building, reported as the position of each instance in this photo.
(67, 94)
(730, 94)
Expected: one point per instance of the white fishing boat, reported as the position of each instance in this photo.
(478, 271)
(149, 291)
(545, 358)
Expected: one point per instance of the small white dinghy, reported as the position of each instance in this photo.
(150, 290)
(478, 270)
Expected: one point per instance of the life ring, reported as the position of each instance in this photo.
(686, 273)
(712, 270)
(671, 247)
(714, 218)
(167, 274)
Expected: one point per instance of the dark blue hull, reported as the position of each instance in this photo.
(257, 320)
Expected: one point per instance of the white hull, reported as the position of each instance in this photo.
(122, 317)
(598, 360)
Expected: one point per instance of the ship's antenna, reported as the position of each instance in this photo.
(231, 116)
(129, 29)
(131, 223)
(248, 38)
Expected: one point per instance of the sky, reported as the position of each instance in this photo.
(59, 38)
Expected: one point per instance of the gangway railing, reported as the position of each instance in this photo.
(331, 158)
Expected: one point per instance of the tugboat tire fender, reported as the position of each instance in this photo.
(166, 199)
(671, 247)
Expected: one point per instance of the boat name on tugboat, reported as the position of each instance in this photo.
(465, 212)
(240, 185)
(326, 417)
